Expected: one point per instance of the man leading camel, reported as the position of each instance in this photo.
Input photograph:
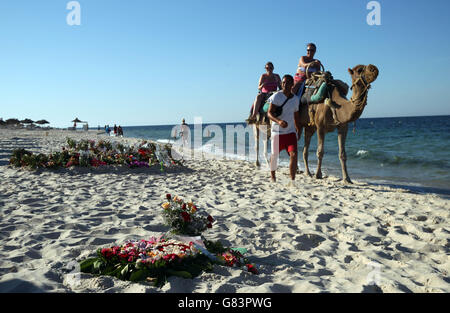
(285, 131)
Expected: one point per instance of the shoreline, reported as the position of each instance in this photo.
(318, 236)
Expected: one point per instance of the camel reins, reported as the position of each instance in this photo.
(364, 94)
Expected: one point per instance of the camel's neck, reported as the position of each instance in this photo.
(349, 111)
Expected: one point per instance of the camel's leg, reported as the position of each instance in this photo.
(256, 133)
(320, 144)
(263, 130)
(342, 135)
(299, 136)
(266, 140)
(308, 135)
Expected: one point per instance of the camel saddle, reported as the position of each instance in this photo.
(261, 116)
(318, 88)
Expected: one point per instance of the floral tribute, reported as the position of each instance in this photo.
(184, 218)
(88, 153)
(151, 260)
(156, 259)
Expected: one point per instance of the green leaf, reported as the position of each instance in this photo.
(86, 265)
(124, 271)
(97, 265)
(116, 271)
(138, 275)
(182, 274)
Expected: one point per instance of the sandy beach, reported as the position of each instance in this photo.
(316, 236)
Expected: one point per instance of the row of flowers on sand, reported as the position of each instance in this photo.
(89, 153)
(172, 254)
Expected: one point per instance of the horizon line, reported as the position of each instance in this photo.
(362, 118)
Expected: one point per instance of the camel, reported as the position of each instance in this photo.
(261, 126)
(325, 120)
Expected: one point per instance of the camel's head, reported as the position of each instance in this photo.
(366, 72)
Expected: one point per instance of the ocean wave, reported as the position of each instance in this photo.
(362, 152)
(390, 158)
(164, 141)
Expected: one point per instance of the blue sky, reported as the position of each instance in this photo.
(155, 62)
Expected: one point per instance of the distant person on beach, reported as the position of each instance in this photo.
(120, 131)
(268, 82)
(303, 63)
(184, 133)
(285, 130)
(115, 129)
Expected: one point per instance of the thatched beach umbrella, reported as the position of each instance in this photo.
(27, 121)
(12, 121)
(42, 122)
(76, 120)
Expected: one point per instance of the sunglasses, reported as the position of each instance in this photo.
(312, 50)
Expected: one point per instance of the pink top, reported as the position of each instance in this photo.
(270, 86)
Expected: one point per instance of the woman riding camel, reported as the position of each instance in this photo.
(268, 83)
(306, 62)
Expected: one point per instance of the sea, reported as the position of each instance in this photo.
(406, 152)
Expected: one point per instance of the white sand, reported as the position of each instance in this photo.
(319, 236)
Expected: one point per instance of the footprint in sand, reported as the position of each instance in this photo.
(308, 242)
(324, 218)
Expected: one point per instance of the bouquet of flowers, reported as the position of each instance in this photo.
(184, 218)
(156, 259)
(152, 260)
(234, 258)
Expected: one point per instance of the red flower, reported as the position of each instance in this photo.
(210, 219)
(209, 225)
(168, 196)
(186, 216)
(183, 206)
(252, 269)
(107, 252)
